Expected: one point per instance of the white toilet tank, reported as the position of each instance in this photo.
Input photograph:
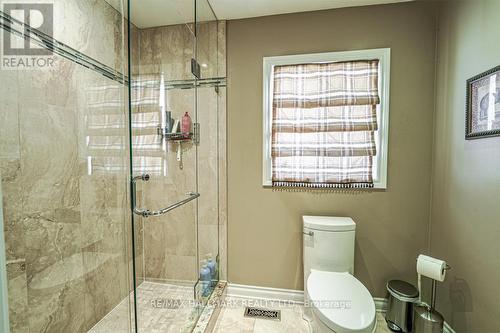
(328, 244)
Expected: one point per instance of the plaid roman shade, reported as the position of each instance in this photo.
(324, 119)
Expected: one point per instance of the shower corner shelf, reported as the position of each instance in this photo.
(193, 136)
(178, 136)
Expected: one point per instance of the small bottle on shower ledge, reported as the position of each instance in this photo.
(186, 124)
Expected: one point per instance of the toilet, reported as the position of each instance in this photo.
(335, 300)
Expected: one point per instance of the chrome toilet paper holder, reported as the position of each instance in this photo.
(446, 268)
(426, 318)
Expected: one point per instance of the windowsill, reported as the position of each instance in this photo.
(379, 187)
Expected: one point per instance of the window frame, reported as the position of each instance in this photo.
(382, 135)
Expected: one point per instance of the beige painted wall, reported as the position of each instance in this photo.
(466, 177)
(264, 226)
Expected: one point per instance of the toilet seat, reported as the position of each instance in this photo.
(341, 302)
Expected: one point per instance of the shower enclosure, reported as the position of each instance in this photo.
(114, 204)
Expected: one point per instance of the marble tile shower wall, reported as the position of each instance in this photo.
(138, 221)
(171, 242)
(64, 179)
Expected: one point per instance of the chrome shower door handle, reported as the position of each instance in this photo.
(191, 197)
(138, 211)
(147, 212)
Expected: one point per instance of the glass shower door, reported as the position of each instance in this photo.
(174, 131)
(164, 147)
(208, 93)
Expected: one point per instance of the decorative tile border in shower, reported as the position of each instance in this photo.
(209, 315)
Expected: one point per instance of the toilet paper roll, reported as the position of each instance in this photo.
(431, 267)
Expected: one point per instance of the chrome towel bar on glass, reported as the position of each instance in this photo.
(146, 212)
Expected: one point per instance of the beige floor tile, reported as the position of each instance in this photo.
(291, 321)
(381, 324)
(231, 319)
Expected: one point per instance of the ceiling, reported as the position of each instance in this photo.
(153, 13)
(235, 9)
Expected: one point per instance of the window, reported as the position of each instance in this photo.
(326, 119)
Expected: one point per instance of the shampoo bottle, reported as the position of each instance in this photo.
(186, 124)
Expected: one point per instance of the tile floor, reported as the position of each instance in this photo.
(160, 319)
(232, 320)
(155, 314)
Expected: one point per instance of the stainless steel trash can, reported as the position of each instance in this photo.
(402, 296)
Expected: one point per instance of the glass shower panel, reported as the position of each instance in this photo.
(207, 46)
(64, 167)
(165, 223)
(208, 89)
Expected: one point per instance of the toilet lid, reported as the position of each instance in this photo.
(341, 302)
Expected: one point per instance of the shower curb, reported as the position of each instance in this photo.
(210, 313)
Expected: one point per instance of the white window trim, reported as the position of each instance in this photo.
(383, 55)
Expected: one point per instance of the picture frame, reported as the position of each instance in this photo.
(482, 116)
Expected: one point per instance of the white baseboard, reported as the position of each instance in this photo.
(293, 296)
(380, 304)
(265, 293)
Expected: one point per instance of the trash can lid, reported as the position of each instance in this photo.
(402, 289)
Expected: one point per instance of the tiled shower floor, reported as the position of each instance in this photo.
(156, 314)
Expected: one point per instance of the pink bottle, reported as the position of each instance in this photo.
(186, 124)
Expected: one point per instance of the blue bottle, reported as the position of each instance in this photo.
(211, 264)
(205, 277)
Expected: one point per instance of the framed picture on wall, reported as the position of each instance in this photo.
(483, 105)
